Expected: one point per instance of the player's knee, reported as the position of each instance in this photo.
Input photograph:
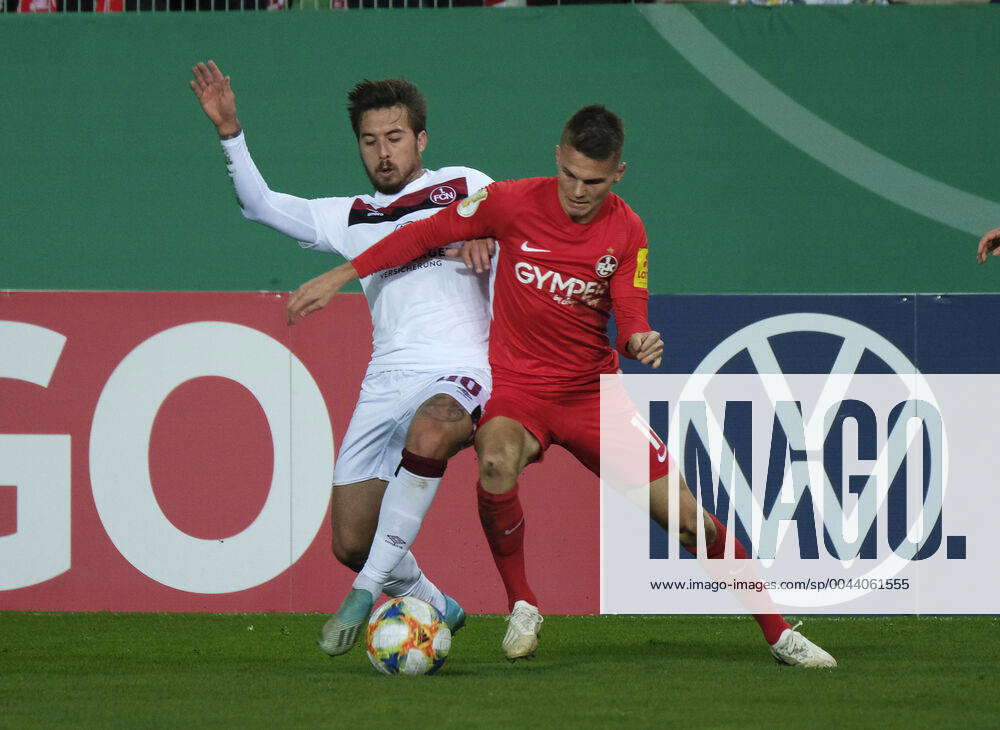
(498, 465)
(436, 442)
(439, 428)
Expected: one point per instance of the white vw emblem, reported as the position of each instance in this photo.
(755, 341)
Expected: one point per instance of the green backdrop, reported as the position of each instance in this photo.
(777, 183)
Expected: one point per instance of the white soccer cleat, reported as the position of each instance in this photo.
(794, 649)
(523, 627)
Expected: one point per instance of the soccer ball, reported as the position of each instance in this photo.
(407, 636)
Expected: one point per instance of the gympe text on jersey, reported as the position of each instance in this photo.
(565, 291)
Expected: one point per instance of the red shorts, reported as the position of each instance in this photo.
(572, 419)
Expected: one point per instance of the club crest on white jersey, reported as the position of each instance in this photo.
(443, 195)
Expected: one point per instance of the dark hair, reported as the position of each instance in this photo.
(384, 94)
(596, 132)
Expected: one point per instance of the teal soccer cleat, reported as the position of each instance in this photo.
(454, 615)
(341, 630)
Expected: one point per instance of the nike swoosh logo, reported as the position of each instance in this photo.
(519, 523)
(525, 246)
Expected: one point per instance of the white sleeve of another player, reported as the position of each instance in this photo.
(476, 180)
(284, 213)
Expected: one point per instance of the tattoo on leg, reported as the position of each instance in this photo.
(443, 408)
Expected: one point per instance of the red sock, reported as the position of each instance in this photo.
(771, 624)
(503, 524)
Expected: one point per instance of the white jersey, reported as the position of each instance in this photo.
(432, 312)
(428, 315)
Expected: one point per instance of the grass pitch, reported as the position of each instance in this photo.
(263, 670)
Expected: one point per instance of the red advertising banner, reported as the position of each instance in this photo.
(172, 451)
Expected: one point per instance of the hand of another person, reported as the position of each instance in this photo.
(646, 347)
(988, 244)
(315, 293)
(475, 253)
(216, 97)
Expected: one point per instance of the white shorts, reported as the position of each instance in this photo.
(377, 432)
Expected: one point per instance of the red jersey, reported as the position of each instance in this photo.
(557, 282)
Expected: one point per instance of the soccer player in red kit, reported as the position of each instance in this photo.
(571, 254)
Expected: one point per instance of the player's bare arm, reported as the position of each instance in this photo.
(476, 254)
(317, 293)
(989, 244)
(216, 98)
(646, 347)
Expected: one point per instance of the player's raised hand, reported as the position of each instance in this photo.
(989, 244)
(216, 97)
(317, 293)
(646, 347)
(475, 253)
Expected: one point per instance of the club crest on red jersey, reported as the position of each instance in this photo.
(443, 195)
(606, 266)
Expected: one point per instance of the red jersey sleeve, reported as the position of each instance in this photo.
(630, 288)
(473, 217)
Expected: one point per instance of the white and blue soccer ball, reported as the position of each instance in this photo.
(407, 636)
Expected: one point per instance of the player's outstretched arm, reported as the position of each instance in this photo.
(216, 98)
(317, 293)
(989, 244)
(646, 347)
(476, 253)
(287, 214)
(404, 243)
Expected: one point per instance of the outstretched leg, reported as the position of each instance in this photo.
(787, 645)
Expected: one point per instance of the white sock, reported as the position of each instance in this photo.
(406, 579)
(407, 498)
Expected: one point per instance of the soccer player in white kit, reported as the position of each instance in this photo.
(428, 378)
